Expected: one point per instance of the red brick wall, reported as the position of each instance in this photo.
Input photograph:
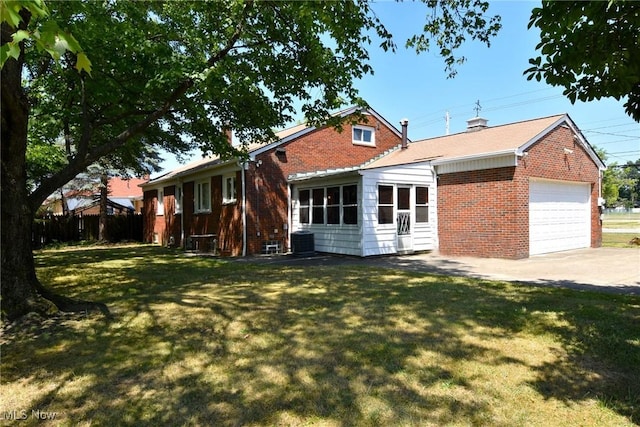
(486, 213)
(320, 150)
(480, 214)
(266, 186)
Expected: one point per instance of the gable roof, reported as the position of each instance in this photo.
(512, 138)
(284, 136)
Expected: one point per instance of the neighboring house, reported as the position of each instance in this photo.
(508, 191)
(124, 197)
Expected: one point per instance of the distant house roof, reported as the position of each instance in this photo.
(84, 203)
(126, 188)
(283, 136)
(511, 138)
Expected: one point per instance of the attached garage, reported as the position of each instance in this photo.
(559, 216)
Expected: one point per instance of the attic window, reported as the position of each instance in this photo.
(364, 135)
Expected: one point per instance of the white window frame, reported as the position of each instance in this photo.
(160, 203)
(360, 139)
(202, 199)
(178, 199)
(228, 196)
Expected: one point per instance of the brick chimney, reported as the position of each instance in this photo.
(405, 142)
(229, 133)
(476, 124)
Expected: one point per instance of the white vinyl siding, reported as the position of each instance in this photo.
(559, 216)
(382, 239)
(339, 238)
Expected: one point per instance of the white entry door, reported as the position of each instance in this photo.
(559, 216)
(403, 218)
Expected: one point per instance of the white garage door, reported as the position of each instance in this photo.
(559, 216)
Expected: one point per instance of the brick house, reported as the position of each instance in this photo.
(507, 191)
(244, 206)
(510, 191)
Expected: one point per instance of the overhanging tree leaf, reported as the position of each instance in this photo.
(591, 48)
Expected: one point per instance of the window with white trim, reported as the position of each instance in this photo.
(385, 204)
(422, 204)
(229, 194)
(160, 204)
(350, 204)
(305, 205)
(329, 205)
(364, 135)
(178, 199)
(333, 205)
(317, 207)
(202, 199)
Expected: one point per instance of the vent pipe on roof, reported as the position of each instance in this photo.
(405, 142)
(477, 123)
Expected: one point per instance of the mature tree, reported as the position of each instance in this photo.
(171, 75)
(630, 187)
(591, 48)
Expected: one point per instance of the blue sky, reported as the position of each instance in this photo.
(408, 85)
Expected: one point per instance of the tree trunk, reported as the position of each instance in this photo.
(19, 286)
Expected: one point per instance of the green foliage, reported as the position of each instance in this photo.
(591, 48)
(43, 160)
(47, 37)
(449, 25)
(174, 75)
(621, 183)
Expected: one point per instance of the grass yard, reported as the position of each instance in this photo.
(619, 240)
(203, 341)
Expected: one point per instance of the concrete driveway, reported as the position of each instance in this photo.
(615, 270)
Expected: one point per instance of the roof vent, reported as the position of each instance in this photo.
(477, 123)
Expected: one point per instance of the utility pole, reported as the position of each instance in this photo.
(447, 120)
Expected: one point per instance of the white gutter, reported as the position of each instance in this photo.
(289, 215)
(183, 242)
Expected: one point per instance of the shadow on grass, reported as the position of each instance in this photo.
(204, 341)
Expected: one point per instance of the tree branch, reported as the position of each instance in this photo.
(86, 156)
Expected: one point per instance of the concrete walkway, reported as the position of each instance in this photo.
(614, 270)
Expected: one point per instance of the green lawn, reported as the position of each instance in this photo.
(619, 240)
(203, 341)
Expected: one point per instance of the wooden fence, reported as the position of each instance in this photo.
(85, 227)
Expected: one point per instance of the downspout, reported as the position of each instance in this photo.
(244, 166)
(182, 240)
(289, 216)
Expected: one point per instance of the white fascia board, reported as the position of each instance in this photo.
(480, 156)
(196, 172)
